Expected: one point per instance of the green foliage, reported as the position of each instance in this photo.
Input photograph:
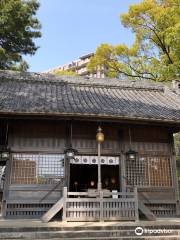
(18, 28)
(178, 174)
(63, 72)
(177, 145)
(155, 54)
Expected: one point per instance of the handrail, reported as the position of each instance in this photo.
(101, 194)
(87, 193)
(81, 207)
(51, 190)
(146, 198)
(132, 187)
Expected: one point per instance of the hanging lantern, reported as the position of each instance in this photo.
(131, 155)
(99, 135)
(4, 154)
(70, 153)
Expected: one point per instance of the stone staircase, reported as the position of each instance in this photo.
(126, 232)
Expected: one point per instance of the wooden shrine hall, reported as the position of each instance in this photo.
(87, 149)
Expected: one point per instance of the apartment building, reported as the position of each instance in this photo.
(80, 67)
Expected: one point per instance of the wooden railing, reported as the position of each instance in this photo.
(100, 206)
(60, 182)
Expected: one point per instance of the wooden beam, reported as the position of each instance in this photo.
(53, 211)
(145, 210)
(91, 118)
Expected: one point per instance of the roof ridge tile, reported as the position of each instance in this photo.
(78, 80)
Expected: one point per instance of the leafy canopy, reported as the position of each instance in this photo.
(155, 53)
(64, 72)
(177, 145)
(18, 28)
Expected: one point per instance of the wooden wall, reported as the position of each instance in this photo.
(37, 136)
(53, 136)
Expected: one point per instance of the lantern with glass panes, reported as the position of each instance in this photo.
(70, 152)
(4, 154)
(131, 155)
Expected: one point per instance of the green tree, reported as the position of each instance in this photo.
(177, 145)
(18, 27)
(155, 53)
(64, 72)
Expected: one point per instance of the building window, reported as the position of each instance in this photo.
(37, 168)
(150, 171)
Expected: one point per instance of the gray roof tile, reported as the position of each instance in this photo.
(30, 93)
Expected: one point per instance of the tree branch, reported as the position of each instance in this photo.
(115, 68)
(161, 44)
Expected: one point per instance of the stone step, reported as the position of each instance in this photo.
(175, 237)
(85, 234)
(27, 230)
(123, 238)
(85, 226)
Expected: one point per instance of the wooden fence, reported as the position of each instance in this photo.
(103, 206)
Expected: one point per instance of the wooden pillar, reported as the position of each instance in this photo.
(66, 160)
(122, 168)
(136, 204)
(173, 166)
(120, 187)
(67, 172)
(123, 173)
(6, 185)
(64, 203)
(101, 206)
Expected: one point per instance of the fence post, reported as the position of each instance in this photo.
(101, 206)
(136, 203)
(64, 203)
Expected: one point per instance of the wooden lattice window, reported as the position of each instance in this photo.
(37, 168)
(149, 171)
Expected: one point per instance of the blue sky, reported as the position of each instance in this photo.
(71, 28)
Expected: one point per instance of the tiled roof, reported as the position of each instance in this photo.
(45, 94)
